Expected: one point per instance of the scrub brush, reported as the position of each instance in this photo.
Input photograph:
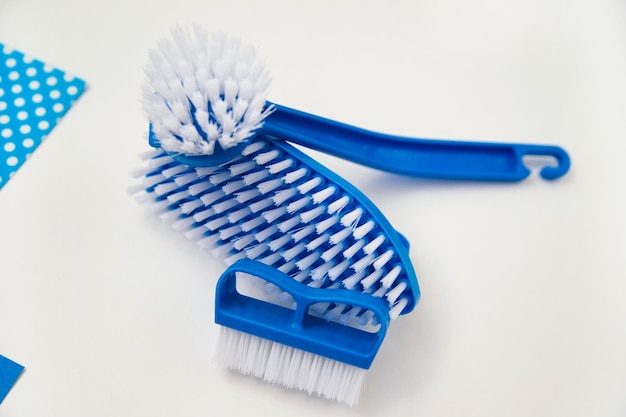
(329, 261)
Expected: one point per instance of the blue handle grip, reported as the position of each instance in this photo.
(297, 328)
(427, 158)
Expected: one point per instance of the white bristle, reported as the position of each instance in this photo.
(170, 216)
(291, 253)
(176, 197)
(340, 236)
(374, 244)
(295, 175)
(200, 187)
(260, 205)
(203, 215)
(175, 170)
(269, 186)
(288, 224)
(253, 147)
(190, 206)
(317, 242)
(237, 215)
(306, 262)
(396, 310)
(281, 196)
(160, 161)
(233, 187)
(238, 169)
(183, 224)
(390, 278)
(234, 258)
(252, 223)
(165, 188)
(277, 244)
(362, 263)
(371, 279)
(264, 158)
(205, 171)
(337, 205)
(352, 217)
(195, 233)
(334, 313)
(223, 206)
(302, 233)
(350, 282)
(312, 214)
(217, 223)
(212, 197)
(243, 242)
(306, 187)
(319, 272)
(245, 196)
(225, 83)
(337, 270)
(352, 250)
(298, 204)
(326, 224)
(280, 166)
(293, 368)
(361, 231)
(255, 177)
(383, 259)
(332, 252)
(226, 234)
(255, 251)
(395, 292)
(266, 233)
(208, 242)
(321, 196)
(152, 180)
(271, 215)
(185, 179)
(220, 178)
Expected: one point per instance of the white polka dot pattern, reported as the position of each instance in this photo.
(33, 97)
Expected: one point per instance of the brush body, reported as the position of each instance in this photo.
(275, 205)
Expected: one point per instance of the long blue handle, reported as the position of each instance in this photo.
(428, 158)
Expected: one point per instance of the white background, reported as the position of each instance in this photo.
(523, 308)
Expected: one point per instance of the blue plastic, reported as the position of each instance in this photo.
(425, 158)
(9, 373)
(297, 328)
(178, 196)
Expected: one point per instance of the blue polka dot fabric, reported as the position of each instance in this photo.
(33, 97)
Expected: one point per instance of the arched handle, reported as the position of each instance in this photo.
(297, 328)
(426, 158)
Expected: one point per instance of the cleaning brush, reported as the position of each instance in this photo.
(332, 270)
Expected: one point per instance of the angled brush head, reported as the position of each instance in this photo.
(204, 94)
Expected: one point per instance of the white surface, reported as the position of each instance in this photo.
(523, 285)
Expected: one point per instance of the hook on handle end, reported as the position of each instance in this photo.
(549, 172)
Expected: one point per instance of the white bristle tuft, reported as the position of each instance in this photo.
(363, 230)
(397, 309)
(223, 80)
(293, 368)
(337, 205)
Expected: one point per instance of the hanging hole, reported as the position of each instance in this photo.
(254, 287)
(347, 315)
(536, 163)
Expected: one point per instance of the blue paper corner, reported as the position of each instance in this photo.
(9, 373)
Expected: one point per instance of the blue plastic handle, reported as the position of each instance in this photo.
(297, 328)
(424, 158)
(427, 158)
